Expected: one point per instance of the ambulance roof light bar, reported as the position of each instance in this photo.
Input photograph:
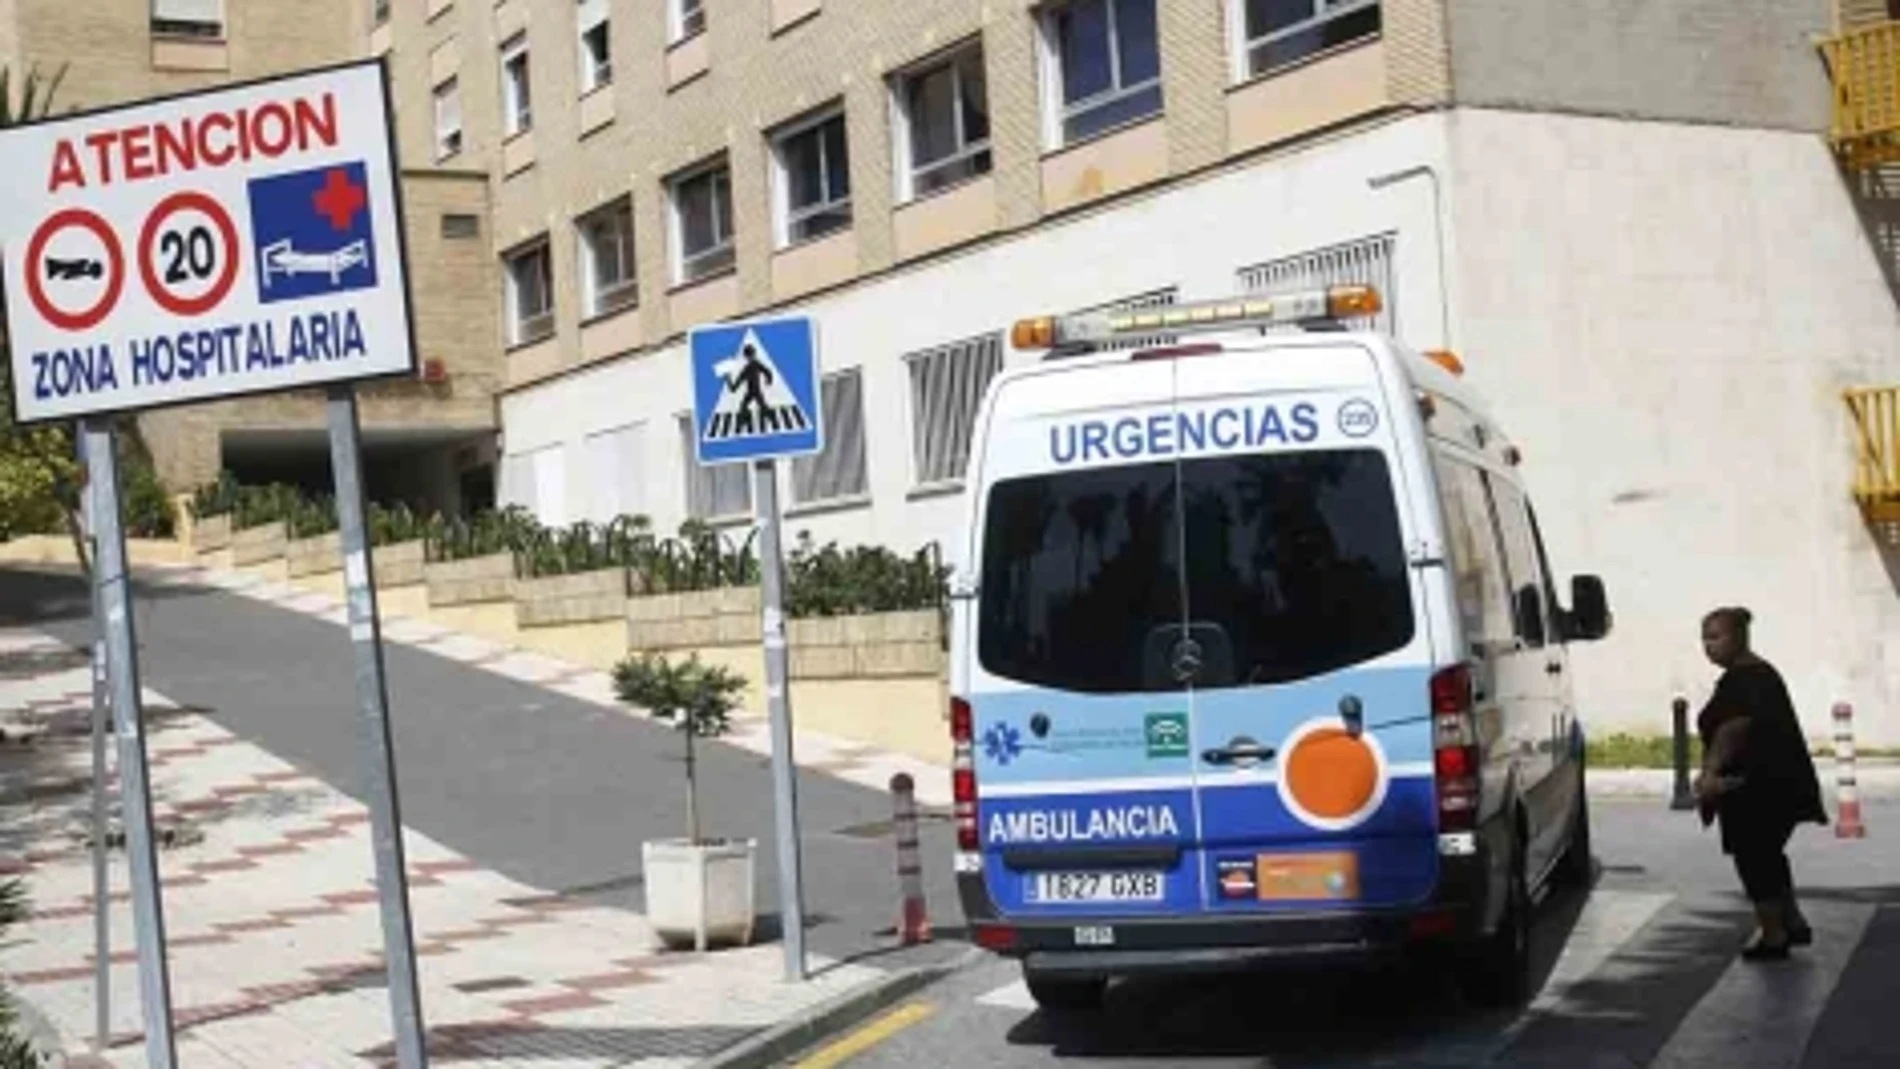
(1304, 306)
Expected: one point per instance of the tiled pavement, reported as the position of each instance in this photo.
(272, 919)
(864, 765)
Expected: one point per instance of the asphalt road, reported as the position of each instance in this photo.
(1638, 973)
(547, 789)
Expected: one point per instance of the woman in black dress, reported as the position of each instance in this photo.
(1757, 777)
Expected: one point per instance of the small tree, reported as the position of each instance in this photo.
(697, 698)
(15, 1052)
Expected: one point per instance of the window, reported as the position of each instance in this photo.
(702, 223)
(378, 12)
(1528, 586)
(1105, 66)
(1282, 566)
(516, 97)
(461, 226)
(718, 492)
(1365, 261)
(839, 471)
(943, 117)
(1484, 599)
(530, 294)
(688, 18)
(188, 18)
(537, 481)
(448, 120)
(1281, 32)
(946, 388)
(615, 474)
(606, 250)
(597, 67)
(814, 179)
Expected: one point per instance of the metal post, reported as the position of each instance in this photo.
(372, 698)
(1682, 797)
(778, 703)
(114, 592)
(1847, 824)
(101, 848)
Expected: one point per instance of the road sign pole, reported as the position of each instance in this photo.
(372, 698)
(114, 592)
(101, 849)
(778, 702)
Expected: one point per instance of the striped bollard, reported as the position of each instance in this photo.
(913, 924)
(1848, 790)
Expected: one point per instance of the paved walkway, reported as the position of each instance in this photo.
(272, 918)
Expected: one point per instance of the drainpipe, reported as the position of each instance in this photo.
(1425, 170)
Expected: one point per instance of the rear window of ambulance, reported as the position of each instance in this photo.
(1283, 565)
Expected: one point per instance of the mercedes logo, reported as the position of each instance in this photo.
(1185, 659)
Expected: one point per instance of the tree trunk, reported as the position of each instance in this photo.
(692, 786)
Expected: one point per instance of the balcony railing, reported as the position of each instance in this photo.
(1865, 66)
(1876, 414)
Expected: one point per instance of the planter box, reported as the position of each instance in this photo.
(875, 645)
(314, 556)
(478, 579)
(700, 895)
(211, 533)
(581, 598)
(397, 564)
(257, 545)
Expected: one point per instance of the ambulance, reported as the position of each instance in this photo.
(1257, 656)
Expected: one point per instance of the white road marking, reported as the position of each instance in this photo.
(1760, 1016)
(1012, 996)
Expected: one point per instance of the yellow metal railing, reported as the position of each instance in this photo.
(1876, 411)
(1865, 66)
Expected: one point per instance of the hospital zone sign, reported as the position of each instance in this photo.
(238, 241)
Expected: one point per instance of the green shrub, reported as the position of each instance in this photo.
(148, 509)
(15, 1052)
(217, 498)
(698, 698)
(828, 581)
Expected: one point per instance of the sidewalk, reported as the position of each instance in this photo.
(272, 920)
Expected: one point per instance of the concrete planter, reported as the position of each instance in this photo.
(314, 556)
(398, 564)
(584, 597)
(700, 894)
(478, 579)
(211, 533)
(260, 544)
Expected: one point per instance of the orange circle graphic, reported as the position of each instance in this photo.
(1331, 774)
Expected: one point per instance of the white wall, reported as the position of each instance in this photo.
(1665, 315)
(1195, 237)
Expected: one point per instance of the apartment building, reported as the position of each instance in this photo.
(430, 441)
(1626, 217)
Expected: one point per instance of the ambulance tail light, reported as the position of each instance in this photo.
(1456, 761)
(1303, 306)
(963, 773)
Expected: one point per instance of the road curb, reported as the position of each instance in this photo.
(787, 1038)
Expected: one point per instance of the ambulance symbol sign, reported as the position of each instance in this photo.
(313, 233)
(755, 390)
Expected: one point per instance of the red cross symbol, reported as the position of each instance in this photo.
(340, 199)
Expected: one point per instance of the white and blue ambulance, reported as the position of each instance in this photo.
(1256, 656)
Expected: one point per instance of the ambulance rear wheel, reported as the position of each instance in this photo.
(1497, 972)
(1065, 993)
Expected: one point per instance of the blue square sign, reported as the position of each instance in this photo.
(755, 390)
(313, 234)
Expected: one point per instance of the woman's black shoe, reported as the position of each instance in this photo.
(1764, 951)
(1801, 937)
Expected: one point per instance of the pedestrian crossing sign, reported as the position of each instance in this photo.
(755, 390)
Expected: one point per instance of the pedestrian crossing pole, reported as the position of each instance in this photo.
(778, 702)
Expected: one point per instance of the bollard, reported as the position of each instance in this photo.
(1847, 789)
(913, 924)
(1683, 797)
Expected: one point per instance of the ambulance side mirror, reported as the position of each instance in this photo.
(1590, 617)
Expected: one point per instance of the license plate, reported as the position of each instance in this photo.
(1096, 887)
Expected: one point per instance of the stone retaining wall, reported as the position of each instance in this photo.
(259, 545)
(314, 556)
(572, 599)
(867, 647)
(398, 564)
(478, 579)
(726, 617)
(211, 533)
